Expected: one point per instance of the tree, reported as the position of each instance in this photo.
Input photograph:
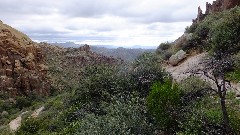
(164, 103)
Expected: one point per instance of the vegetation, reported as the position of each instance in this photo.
(164, 102)
(141, 98)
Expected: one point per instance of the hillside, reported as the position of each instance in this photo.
(186, 87)
(65, 64)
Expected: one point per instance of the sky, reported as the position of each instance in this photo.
(101, 22)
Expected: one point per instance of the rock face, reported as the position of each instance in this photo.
(176, 58)
(216, 6)
(21, 69)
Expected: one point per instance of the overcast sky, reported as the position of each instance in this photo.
(101, 22)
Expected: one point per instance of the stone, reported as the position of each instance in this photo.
(9, 72)
(176, 58)
(85, 48)
(4, 114)
(216, 6)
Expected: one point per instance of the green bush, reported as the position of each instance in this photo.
(167, 55)
(163, 47)
(30, 127)
(226, 33)
(164, 102)
(146, 70)
(219, 31)
(123, 116)
(191, 28)
(22, 102)
(193, 84)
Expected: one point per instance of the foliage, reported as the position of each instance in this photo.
(124, 116)
(192, 28)
(29, 127)
(22, 102)
(193, 84)
(225, 34)
(147, 70)
(163, 47)
(218, 31)
(234, 76)
(164, 102)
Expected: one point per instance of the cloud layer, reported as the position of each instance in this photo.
(111, 22)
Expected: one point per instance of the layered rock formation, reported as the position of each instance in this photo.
(21, 68)
(216, 6)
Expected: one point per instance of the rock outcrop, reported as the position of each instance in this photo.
(176, 58)
(216, 6)
(21, 68)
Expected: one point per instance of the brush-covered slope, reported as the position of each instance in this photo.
(65, 64)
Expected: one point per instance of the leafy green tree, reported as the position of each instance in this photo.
(147, 70)
(164, 102)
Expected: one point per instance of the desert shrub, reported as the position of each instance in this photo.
(191, 28)
(234, 76)
(215, 32)
(167, 55)
(124, 116)
(163, 47)
(225, 34)
(164, 102)
(204, 116)
(29, 127)
(22, 102)
(147, 70)
(193, 84)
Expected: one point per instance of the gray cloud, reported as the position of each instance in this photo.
(105, 21)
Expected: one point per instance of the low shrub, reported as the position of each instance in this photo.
(164, 103)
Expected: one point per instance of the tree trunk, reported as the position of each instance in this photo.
(225, 116)
(222, 93)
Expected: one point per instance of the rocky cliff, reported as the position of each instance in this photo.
(216, 6)
(21, 68)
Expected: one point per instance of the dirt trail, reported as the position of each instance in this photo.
(16, 123)
(37, 112)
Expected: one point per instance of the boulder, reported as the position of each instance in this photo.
(176, 58)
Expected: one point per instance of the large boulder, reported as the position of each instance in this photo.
(21, 64)
(176, 58)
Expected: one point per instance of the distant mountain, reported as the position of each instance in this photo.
(120, 52)
(127, 54)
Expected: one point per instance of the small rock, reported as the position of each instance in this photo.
(4, 114)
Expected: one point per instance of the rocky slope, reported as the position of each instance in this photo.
(21, 68)
(65, 64)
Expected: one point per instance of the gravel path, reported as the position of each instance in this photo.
(16, 123)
